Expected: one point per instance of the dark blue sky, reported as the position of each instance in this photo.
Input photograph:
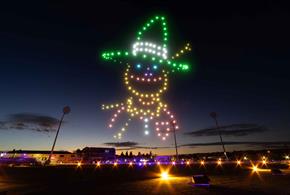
(49, 57)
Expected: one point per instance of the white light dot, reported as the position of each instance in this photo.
(146, 132)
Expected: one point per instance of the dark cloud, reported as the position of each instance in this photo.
(230, 130)
(263, 144)
(131, 146)
(30, 121)
(122, 144)
(143, 147)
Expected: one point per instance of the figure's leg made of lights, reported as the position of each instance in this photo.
(122, 130)
(171, 119)
(165, 127)
(115, 116)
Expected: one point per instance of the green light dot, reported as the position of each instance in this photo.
(119, 53)
(126, 53)
(140, 33)
(165, 34)
(144, 28)
(157, 17)
(112, 54)
(160, 61)
(138, 38)
(148, 24)
(162, 18)
(153, 59)
(169, 62)
(174, 64)
(164, 24)
(165, 39)
(144, 56)
(151, 21)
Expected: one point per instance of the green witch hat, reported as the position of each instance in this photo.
(146, 50)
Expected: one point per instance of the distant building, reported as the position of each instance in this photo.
(93, 154)
(163, 159)
(58, 157)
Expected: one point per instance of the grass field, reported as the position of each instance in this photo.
(123, 179)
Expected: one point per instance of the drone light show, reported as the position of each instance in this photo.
(148, 65)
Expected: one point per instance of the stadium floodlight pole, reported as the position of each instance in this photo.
(214, 116)
(176, 151)
(65, 110)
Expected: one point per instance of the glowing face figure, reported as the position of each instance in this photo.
(146, 80)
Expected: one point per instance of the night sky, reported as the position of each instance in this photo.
(50, 57)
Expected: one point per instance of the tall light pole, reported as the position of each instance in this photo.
(214, 116)
(65, 110)
(174, 128)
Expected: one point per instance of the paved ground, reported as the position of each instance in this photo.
(135, 181)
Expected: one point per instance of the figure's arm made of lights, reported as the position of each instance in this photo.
(112, 106)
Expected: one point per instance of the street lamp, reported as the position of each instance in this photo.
(214, 116)
(65, 111)
(174, 128)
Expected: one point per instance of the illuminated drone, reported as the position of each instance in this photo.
(148, 66)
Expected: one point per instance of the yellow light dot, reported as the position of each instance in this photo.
(255, 168)
(164, 176)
